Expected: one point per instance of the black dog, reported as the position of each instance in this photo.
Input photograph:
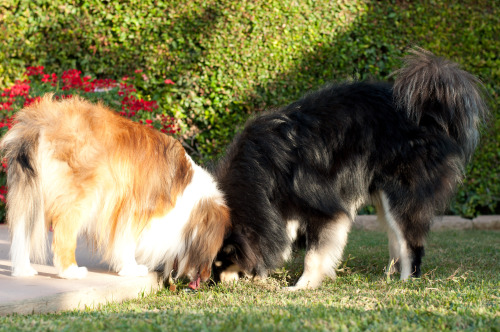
(307, 168)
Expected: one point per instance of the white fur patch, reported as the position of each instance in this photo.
(398, 247)
(74, 272)
(134, 271)
(163, 239)
(324, 258)
(230, 274)
(20, 252)
(292, 229)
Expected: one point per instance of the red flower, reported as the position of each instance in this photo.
(168, 125)
(33, 71)
(126, 89)
(50, 78)
(6, 122)
(20, 88)
(6, 106)
(61, 97)
(28, 101)
(99, 85)
(72, 80)
(133, 104)
(3, 192)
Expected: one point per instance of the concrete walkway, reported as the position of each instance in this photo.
(48, 293)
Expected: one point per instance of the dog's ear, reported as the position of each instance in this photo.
(246, 249)
(205, 272)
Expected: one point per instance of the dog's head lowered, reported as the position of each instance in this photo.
(203, 236)
(239, 256)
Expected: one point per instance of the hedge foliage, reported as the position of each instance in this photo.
(230, 59)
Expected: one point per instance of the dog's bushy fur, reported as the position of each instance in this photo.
(308, 167)
(79, 168)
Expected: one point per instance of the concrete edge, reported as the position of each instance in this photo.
(370, 223)
(86, 297)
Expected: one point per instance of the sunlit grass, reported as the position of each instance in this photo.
(459, 290)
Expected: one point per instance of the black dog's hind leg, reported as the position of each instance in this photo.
(326, 240)
(406, 239)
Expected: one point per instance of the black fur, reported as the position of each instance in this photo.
(324, 155)
(24, 159)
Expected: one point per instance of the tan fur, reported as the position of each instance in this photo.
(106, 176)
(207, 239)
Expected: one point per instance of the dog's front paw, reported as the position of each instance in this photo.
(229, 276)
(134, 271)
(292, 288)
(74, 272)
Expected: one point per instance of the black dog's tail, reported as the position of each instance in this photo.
(437, 94)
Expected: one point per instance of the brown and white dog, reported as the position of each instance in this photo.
(80, 168)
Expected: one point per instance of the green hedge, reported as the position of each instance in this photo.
(230, 59)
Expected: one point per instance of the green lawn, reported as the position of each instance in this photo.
(458, 291)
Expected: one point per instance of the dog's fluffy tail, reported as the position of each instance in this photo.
(436, 93)
(25, 212)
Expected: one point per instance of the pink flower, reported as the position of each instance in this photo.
(169, 81)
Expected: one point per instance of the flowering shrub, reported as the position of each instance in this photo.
(119, 95)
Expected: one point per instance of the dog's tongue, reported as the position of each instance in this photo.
(195, 284)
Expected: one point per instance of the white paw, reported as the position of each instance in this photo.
(304, 283)
(229, 276)
(134, 271)
(24, 271)
(74, 272)
(298, 287)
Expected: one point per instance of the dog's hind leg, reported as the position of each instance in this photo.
(399, 251)
(20, 252)
(66, 227)
(406, 237)
(387, 221)
(326, 240)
